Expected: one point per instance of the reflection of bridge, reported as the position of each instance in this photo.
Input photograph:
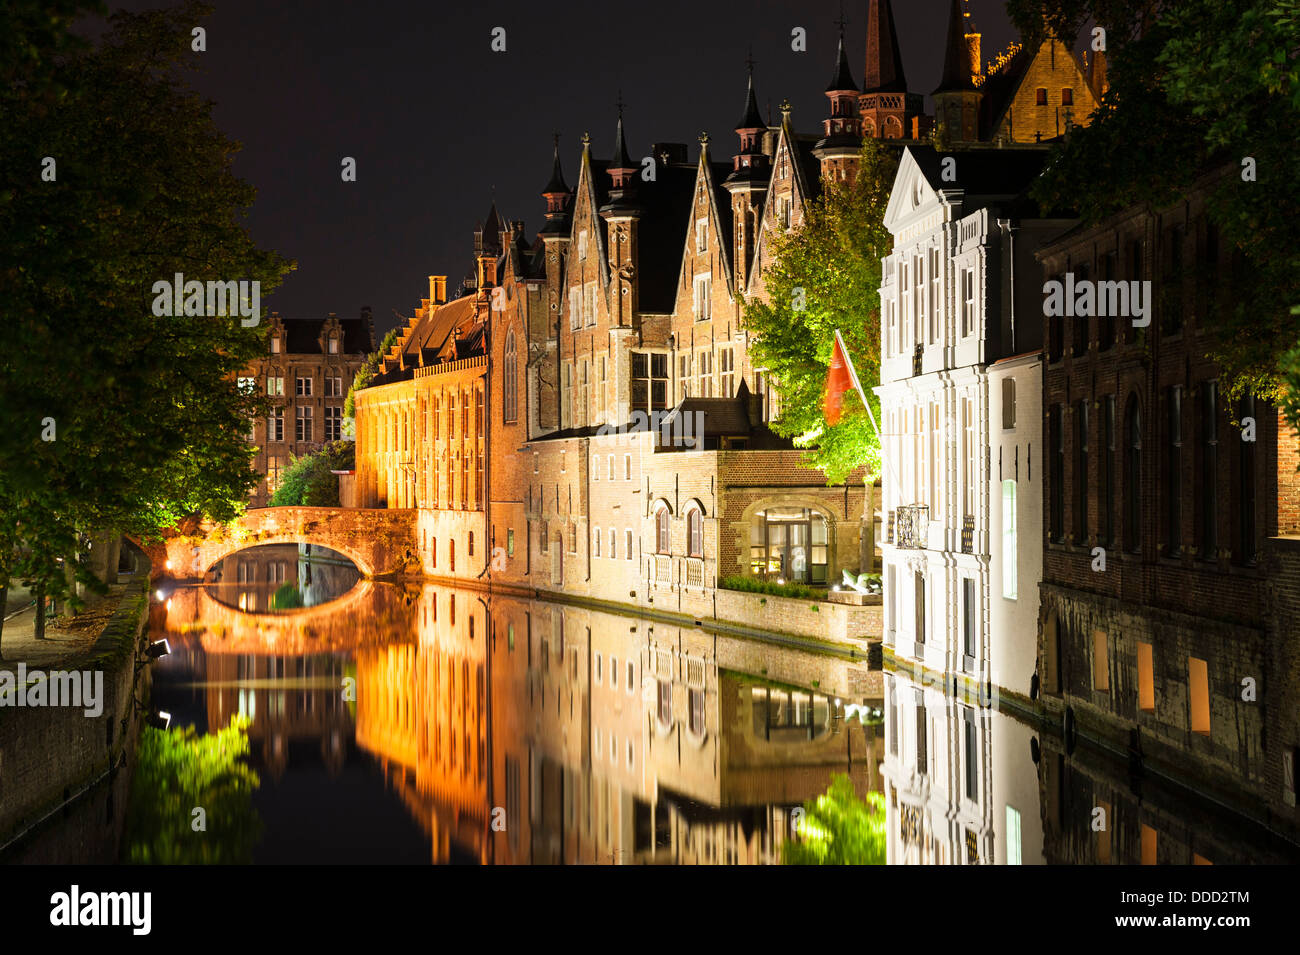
(368, 612)
(379, 541)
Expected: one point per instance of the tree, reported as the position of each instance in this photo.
(178, 770)
(838, 828)
(826, 275)
(112, 417)
(1196, 85)
(309, 480)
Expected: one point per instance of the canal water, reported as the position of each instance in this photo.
(422, 723)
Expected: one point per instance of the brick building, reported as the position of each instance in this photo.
(1164, 571)
(308, 368)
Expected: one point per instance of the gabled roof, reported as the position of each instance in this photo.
(431, 339)
(983, 177)
(302, 335)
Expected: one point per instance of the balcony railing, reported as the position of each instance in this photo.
(663, 569)
(912, 526)
(694, 572)
(968, 534)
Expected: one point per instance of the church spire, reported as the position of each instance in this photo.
(622, 171)
(884, 62)
(558, 196)
(842, 81)
(958, 67)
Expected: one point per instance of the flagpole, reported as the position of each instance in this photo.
(853, 373)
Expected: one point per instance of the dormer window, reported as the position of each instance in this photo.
(334, 345)
(275, 344)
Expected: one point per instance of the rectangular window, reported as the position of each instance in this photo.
(304, 424)
(627, 545)
(922, 740)
(1013, 836)
(275, 425)
(727, 359)
(968, 302)
(702, 298)
(275, 345)
(627, 467)
(684, 375)
(1209, 470)
(701, 235)
(334, 346)
(1107, 475)
(1100, 662)
(333, 423)
(968, 611)
(649, 384)
(595, 543)
(970, 456)
(1081, 473)
(333, 387)
(275, 385)
(1146, 678)
(1010, 555)
(582, 245)
(303, 388)
(1008, 404)
(613, 543)
(972, 750)
(1198, 687)
(589, 308)
(1174, 473)
(1056, 436)
(575, 307)
(936, 305)
(246, 386)
(273, 468)
(919, 608)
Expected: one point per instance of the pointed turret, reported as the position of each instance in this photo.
(884, 62)
(752, 119)
(842, 81)
(748, 181)
(957, 64)
(558, 198)
(622, 174)
(487, 248)
(842, 130)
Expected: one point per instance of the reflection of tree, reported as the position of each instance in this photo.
(180, 771)
(286, 597)
(837, 828)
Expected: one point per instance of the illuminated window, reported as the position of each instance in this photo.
(1146, 679)
(275, 385)
(1198, 686)
(275, 425)
(1040, 96)
(695, 532)
(1100, 662)
(1013, 836)
(662, 532)
(510, 386)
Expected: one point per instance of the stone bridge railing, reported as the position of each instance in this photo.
(380, 541)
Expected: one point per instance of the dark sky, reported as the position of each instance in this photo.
(436, 120)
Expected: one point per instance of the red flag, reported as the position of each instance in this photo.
(839, 379)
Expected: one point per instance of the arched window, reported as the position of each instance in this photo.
(695, 532)
(510, 388)
(662, 537)
(1133, 477)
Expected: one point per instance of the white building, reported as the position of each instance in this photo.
(961, 292)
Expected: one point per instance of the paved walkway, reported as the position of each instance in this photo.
(18, 643)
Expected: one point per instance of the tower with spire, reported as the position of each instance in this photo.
(748, 182)
(622, 214)
(958, 98)
(487, 251)
(841, 139)
(887, 109)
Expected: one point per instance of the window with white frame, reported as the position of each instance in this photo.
(275, 425)
(303, 432)
(575, 307)
(333, 423)
(613, 544)
(275, 385)
(684, 375)
(649, 384)
(303, 388)
(589, 308)
(702, 299)
(246, 386)
(967, 301)
(701, 235)
(727, 360)
(705, 366)
(936, 303)
(582, 245)
(627, 544)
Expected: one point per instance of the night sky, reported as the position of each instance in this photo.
(437, 121)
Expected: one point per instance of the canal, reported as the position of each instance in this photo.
(424, 723)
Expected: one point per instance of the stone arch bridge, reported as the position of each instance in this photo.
(380, 541)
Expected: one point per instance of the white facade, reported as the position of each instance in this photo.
(961, 273)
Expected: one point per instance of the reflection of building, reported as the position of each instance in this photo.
(961, 785)
(1166, 584)
(960, 556)
(540, 733)
(307, 374)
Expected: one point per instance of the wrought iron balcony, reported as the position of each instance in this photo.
(912, 526)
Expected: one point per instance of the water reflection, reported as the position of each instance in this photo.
(417, 723)
(279, 578)
(493, 729)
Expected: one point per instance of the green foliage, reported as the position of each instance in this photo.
(149, 425)
(837, 828)
(757, 585)
(1289, 401)
(834, 258)
(1203, 84)
(308, 480)
(177, 771)
(286, 597)
(365, 374)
